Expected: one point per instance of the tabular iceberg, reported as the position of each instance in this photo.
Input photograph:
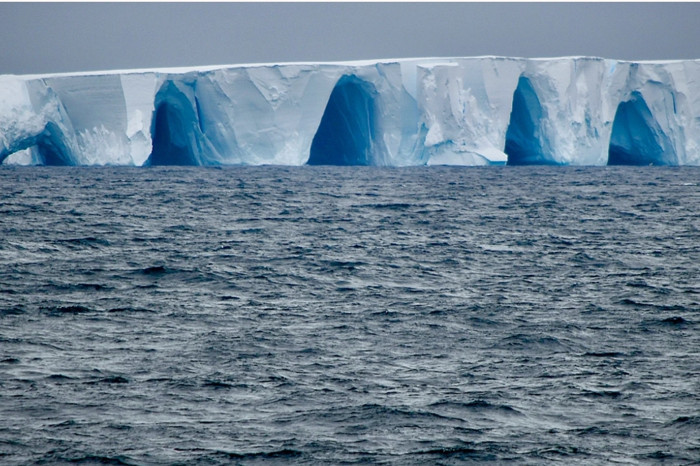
(422, 111)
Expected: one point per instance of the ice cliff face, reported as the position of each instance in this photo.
(461, 111)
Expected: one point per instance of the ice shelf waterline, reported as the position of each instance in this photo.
(402, 112)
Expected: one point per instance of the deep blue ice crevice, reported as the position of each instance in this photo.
(637, 138)
(176, 129)
(526, 143)
(50, 146)
(348, 132)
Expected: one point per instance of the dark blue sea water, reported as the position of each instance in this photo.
(330, 315)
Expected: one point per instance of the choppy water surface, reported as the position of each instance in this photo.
(332, 315)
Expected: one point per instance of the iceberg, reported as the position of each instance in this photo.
(392, 112)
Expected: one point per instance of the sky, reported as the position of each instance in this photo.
(66, 37)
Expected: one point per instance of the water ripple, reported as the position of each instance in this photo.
(349, 315)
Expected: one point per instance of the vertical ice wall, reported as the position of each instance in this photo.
(464, 107)
(465, 111)
(263, 115)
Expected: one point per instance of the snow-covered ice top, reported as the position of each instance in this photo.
(462, 111)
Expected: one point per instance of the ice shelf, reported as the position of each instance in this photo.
(420, 111)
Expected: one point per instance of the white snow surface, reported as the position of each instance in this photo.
(423, 111)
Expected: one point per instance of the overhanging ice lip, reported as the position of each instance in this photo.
(390, 112)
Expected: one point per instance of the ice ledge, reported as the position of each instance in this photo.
(428, 61)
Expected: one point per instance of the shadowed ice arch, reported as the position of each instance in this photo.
(49, 147)
(525, 140)
(177, 132)
(348, 132)
(637, 138)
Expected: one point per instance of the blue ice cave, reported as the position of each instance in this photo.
(637, 138)
(525, 144)
(177, 132)
(50, 147)
(347, 132)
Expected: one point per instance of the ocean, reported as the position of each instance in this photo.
(342, 315)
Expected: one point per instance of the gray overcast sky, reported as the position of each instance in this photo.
(58, 37)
